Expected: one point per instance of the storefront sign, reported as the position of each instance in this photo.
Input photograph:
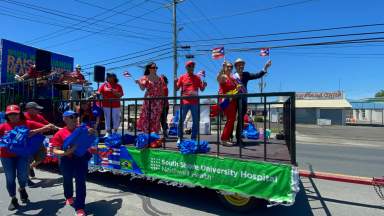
(319, 95)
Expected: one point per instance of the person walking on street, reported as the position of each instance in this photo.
(32, 113)
(71, 165)
(14, 164)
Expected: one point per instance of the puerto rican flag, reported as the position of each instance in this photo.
(127, 74)
(264, 52)
(201, 73)
(218, 52)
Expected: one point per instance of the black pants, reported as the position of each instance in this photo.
(163, 120)
(241, 111)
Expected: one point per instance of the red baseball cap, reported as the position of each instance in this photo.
(188, 63)
(12, 109)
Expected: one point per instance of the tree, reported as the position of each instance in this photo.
(380, 93)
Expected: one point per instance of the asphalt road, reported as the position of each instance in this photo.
(348, 150)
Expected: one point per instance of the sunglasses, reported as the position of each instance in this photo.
(155, 67)
(72, 117)
(230, 66)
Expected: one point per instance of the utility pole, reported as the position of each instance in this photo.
(174, 48)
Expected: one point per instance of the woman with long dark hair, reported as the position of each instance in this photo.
(149, 120)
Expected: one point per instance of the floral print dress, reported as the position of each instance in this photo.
(149, 120)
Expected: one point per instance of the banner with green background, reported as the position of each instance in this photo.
(251, 178)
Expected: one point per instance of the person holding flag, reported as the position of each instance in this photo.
(190, 84)
(243, 77)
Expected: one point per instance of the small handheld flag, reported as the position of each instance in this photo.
(127, 74)
(201, 73)
(264, 52)
(218, 53)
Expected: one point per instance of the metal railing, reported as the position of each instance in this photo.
(269, 101)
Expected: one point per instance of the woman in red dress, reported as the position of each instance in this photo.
(228, 85)
(149, 120)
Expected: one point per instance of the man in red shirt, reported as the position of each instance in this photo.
(190, 84)
(72, 166)
(32, 113)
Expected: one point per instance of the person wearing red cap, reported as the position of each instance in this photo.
(12, 163)
(190, 84)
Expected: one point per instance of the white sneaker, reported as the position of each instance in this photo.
(106, 135)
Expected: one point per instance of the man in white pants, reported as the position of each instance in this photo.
(111, 90)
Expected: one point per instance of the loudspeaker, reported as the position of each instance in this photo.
(43, 61)
(99, 73)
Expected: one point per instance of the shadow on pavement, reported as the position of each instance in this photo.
(47, 182)
(103, 207)
(46, 207)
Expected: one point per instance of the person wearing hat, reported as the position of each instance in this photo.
(12, 163)
(77, 76)
(243, 77)
(111, 89)
(190, 84)
(32, 113)
(72, 166)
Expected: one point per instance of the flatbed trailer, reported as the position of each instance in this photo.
(254, 173)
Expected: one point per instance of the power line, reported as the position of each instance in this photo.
(291, 32)
(294, 39)
(123, 13)
(360, 41)
(84, 24)
(86, 36)
(125, 55)
(252, 11)
(138, 56)
(70, 16)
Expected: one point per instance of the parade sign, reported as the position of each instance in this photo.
(16, 59)
(249, 178)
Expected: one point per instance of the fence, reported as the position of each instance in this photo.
(264, 149)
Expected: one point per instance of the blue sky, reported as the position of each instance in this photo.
(85, 30)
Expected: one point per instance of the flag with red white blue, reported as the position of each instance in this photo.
(218, 52)
(201, 73)
(127, 74)
(264, 52)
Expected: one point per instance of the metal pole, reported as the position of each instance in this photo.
(174, 49)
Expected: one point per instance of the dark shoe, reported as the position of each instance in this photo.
(23, 195)
(31, 172)
(30, 183)
(13, 205)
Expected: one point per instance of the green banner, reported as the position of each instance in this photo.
(251, 178)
